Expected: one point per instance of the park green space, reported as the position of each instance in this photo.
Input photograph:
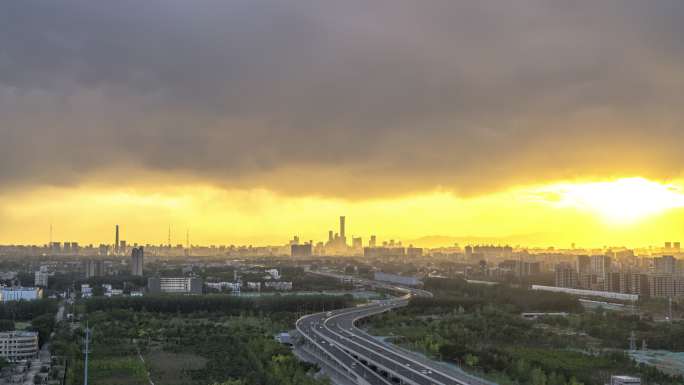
(192, 340)
(480, 329)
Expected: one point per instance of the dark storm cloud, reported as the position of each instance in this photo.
(352, 98)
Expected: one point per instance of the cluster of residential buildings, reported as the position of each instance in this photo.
(660, 276)
(270, 281)
(509, 267)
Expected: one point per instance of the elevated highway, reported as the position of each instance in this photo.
(362, 359)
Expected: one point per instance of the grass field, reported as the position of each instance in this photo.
(118, 371)
(171, 368)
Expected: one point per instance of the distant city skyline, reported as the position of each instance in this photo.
(332, 237)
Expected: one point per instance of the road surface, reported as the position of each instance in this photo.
(365, 360)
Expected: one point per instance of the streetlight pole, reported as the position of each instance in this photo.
(86, 351)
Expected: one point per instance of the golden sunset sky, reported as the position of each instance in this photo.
(533, 122)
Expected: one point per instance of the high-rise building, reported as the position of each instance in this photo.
(342, 230)
(666, 264)
(93, 268)
(566, 276)
(337, 242)
(373, 241)
(664, 286)
(137, 261)
(116, 240)
(520, 268)
(56, 247)
(41, 277)
(304, 250)
(601, 266)
(639, 284)
(414, 252)
(614, 281)
(585, 275)
(357, 243)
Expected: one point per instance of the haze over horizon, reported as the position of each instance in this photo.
(250, 122)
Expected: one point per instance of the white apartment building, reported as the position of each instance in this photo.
(41, 279)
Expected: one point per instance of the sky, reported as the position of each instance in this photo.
(250, 121)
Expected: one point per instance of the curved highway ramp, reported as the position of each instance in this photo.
(335, 341)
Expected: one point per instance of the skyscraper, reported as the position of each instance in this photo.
(116, 240)
(357, 243)
(342, 228)
(137, 261)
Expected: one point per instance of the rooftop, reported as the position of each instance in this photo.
(19, 333)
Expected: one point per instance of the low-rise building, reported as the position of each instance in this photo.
(274, 273)
(177, 285)
(536, 316)
(86, 291)
(232, 286)
(254, 285)
(280, 286)
(18, 345)
(624, 380)
(18, 293)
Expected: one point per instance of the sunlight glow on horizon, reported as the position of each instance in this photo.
(627, 211)
(622, 201)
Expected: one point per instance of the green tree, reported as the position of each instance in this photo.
(44, 325)
(6, 325)
(538, 377)
(471, 360)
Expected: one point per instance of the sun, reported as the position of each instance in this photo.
(620, 201)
